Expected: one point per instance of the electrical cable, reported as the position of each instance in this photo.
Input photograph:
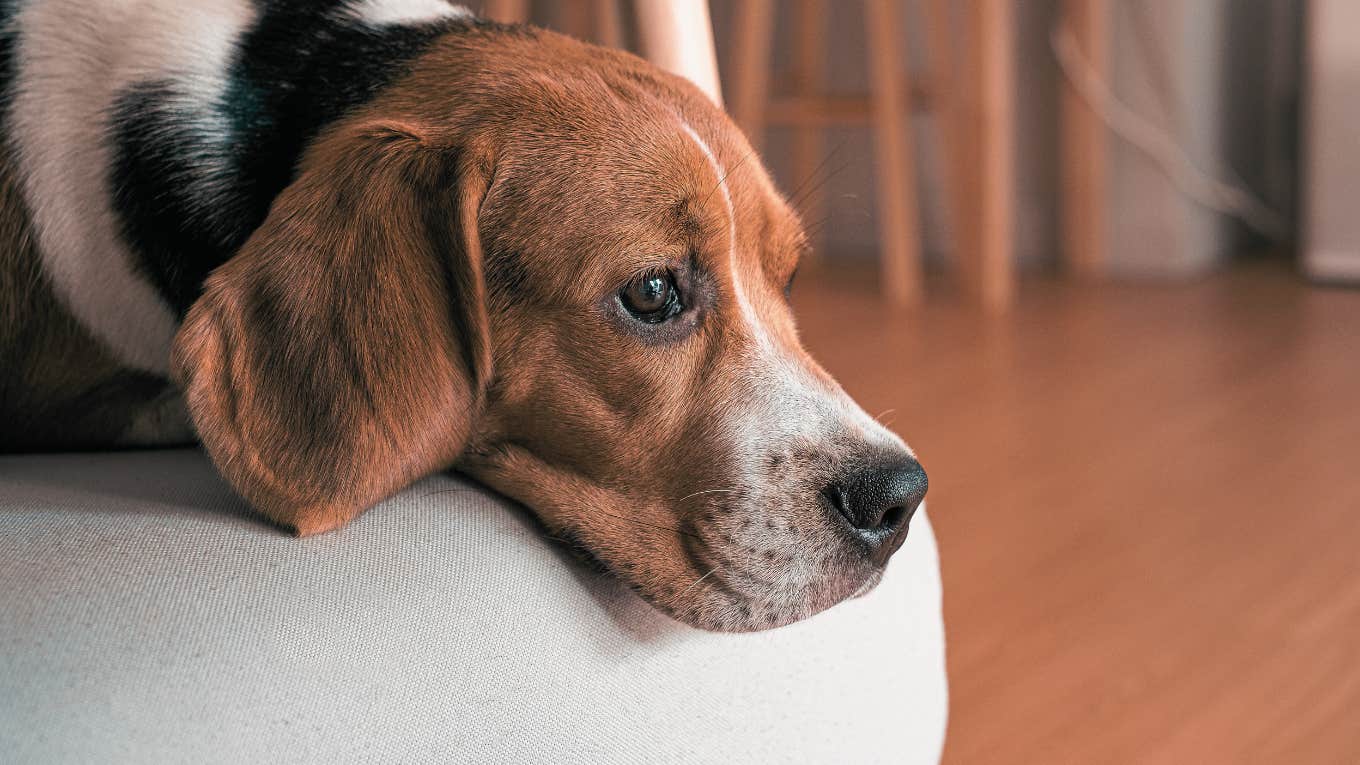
(1159, 145)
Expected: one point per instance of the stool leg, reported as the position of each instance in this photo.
(576, 19)
(608, 25)
(809, 148)
(506, 11)
(996, 172)
(1082, 209)
(752, 31)
(899, 223)
(677, 36)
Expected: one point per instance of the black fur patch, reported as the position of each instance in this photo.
(8, 10)
(192, 180)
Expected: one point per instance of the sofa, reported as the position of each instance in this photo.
(146, 615)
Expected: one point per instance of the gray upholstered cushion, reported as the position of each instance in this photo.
(145, 615)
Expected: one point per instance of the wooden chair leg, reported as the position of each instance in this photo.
(809, 146)
(996, 86)
(608, 25)
(752, 31)
(986, 128)
(576, 19)
(677, 36)
(1083, 149)
(899, 217)
(506, 11)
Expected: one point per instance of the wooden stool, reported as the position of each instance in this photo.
(974, 130)
(676, 35)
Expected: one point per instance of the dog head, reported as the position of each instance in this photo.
(565, 273)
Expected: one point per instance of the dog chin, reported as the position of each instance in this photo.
(720, 607)
(728, 611)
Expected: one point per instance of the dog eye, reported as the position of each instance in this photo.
(652, 298)
(788, 285)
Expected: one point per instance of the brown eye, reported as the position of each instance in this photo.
(652, 298)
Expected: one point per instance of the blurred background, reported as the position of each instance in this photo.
(1092, 259)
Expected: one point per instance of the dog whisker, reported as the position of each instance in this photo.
(725, 176)
(696, 582)
(707, 491)
(814, 228)
(662, 526)
(809, 189)
(796, 196)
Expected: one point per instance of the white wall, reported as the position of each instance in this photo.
(1220, 76)
(1332, 237)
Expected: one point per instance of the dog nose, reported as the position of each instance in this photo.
(878, 503)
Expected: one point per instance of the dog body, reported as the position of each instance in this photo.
(145, 142)
(349, 243)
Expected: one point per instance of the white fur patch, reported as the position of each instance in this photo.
(743, 303)
(74, 58)
(381, 12)
(787, 385)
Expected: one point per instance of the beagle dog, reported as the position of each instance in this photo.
(345, 243)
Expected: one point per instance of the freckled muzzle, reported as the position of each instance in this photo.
(761, 562)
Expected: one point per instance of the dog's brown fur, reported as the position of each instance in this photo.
(434, 290)
(373, 252)
(378, 246)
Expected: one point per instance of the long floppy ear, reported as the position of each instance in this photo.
(343, 352)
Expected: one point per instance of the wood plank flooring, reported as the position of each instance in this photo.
(1148, 506)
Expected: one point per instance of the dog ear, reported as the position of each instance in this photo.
(343, 352)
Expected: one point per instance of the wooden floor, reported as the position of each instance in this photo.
(1148, 508)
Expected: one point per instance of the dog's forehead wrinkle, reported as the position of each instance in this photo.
(720, 177)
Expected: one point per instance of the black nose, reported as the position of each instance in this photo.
(878, 503)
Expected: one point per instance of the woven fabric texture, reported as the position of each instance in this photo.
(147, 616)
